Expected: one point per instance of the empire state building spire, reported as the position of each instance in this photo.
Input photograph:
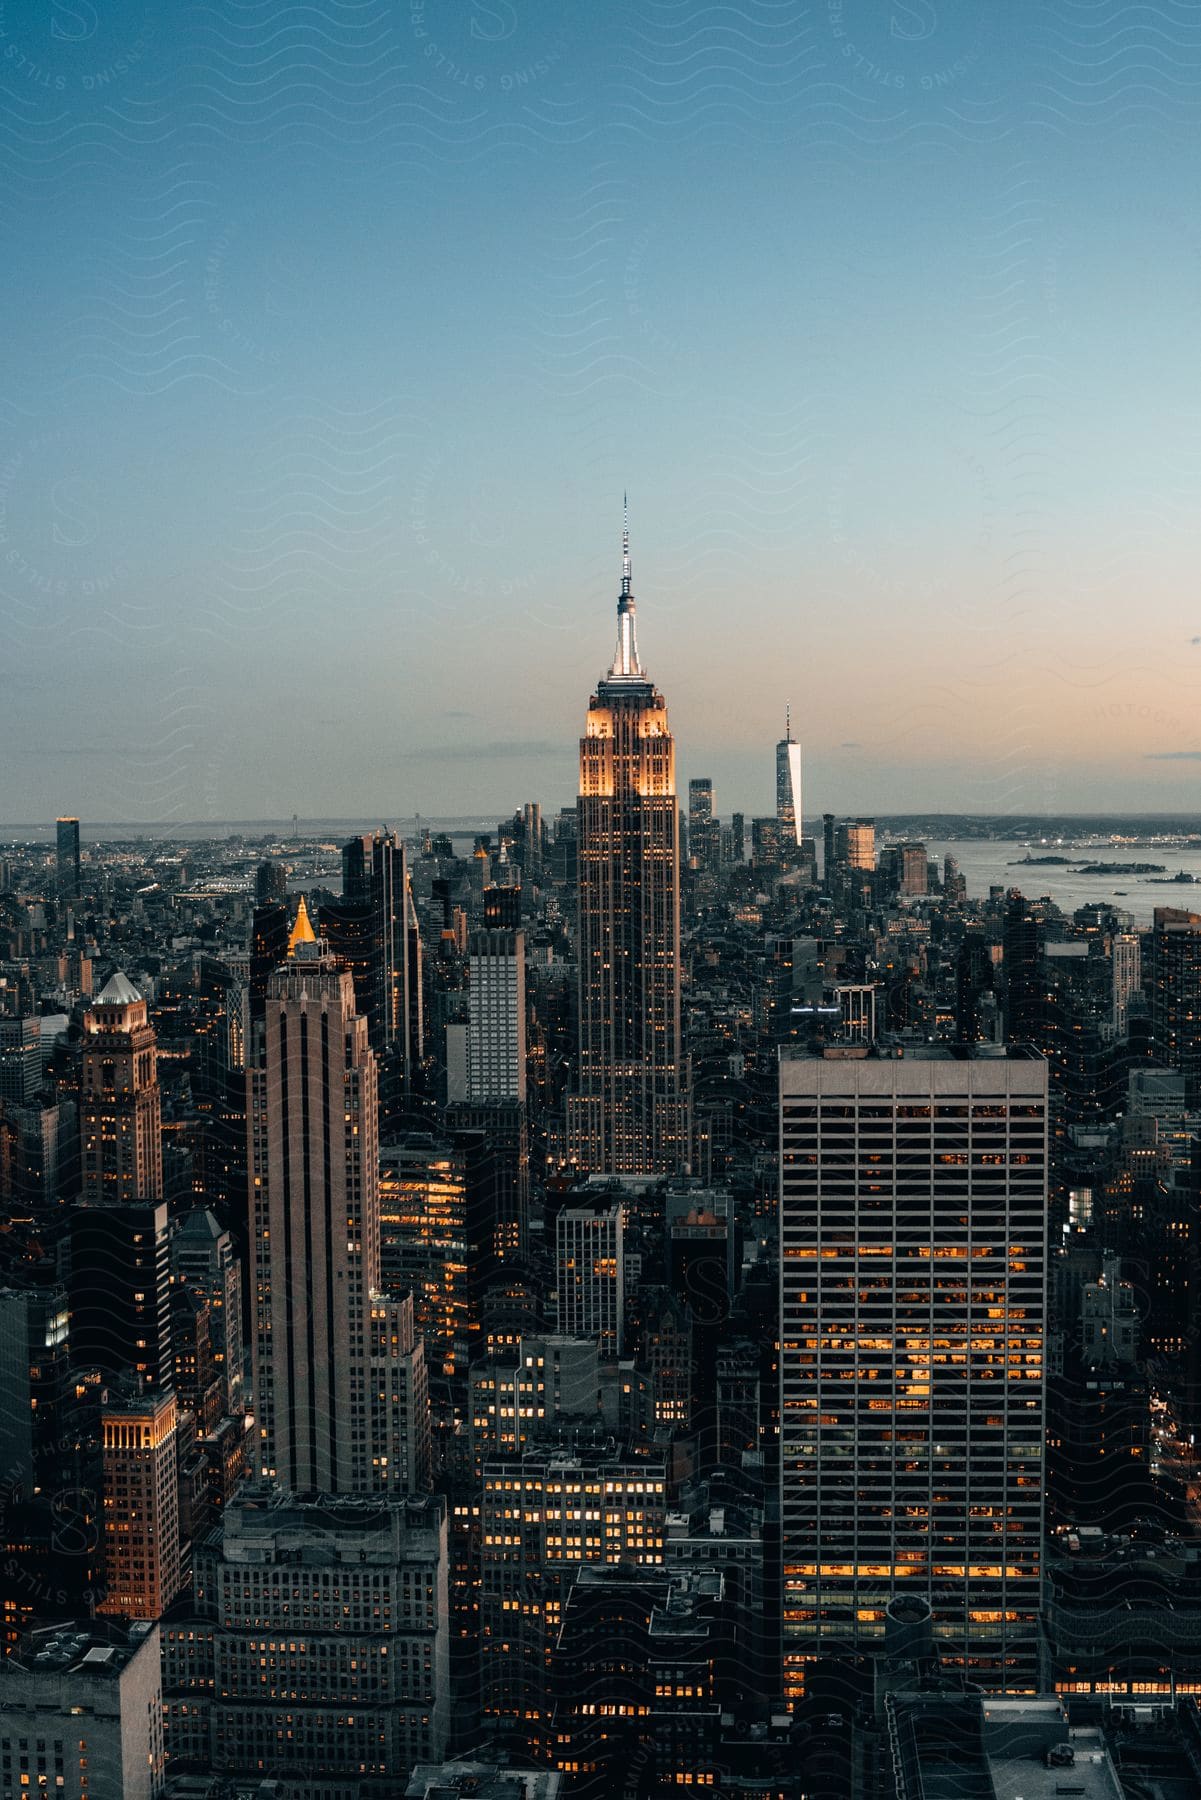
(625, 659)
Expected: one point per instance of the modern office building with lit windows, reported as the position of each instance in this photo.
(913, 1219)
(544, 1516)
(590, 1273)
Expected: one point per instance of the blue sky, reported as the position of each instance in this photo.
(335, 333)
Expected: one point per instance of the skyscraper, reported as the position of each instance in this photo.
(496, 1016)
(20, 1060)
(855, 845)
(630, 1113)
(373, 930)
(339, 1374)
(913, 1242)
(120, 1123)
(120, 1289)
(67, 859)
(204, 1260)
(1126, 952)
(704, 835)
(142, 1565)
(788, 787)
(270, 883)
(119, 1273)
(1176, 992)
(590, 1273)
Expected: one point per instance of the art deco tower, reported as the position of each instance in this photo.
(788, 787)
(340, 1385)
(630, 1113)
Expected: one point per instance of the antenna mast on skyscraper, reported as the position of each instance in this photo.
(625, 660)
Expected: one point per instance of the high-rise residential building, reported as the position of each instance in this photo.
(270, 883)
(855, 845)
(33, 1382)
(339, 1373)
(429, 1230)
(81, 1714)
(531, 840)
(203, 1259)
(496, 1017)
(120, 1291)
(120, 1109)
(516, 1400)
(543, 1517)
(704, 833)
(1176, 992)
(914, 871)
(590, 1273)
(315, 1655)
(630, 1113)
(1127, 956)
(143, 1569)
(913, 1244)
(788, 787)
(20, 1061)
(67, 859)
(373, 930)
(268, 948)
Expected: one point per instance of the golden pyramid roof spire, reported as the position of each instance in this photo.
(302, 932)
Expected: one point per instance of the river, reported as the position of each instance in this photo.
(986, 864)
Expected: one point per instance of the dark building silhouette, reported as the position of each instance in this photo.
(67, 859)
(1176, 993)
(373, 932)
(120, 1290)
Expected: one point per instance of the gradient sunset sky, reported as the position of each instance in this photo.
(336, 331)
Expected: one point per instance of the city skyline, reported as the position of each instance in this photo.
(556, 1240)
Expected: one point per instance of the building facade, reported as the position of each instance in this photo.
(590, 1273)
(317, 1649)
(339, 1371)
(142, 1562)
(120, 1110)
(81, 1715)
(913, 1222)
(543, 1518)
(1176, 992)
(496, 1017)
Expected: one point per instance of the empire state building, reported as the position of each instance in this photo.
(630, 1115)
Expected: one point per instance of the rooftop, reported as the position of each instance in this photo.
(81, 1650)
(118, 990)
(482, 1781)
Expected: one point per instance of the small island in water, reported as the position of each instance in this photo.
(1091, 868)
(1121, 868)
